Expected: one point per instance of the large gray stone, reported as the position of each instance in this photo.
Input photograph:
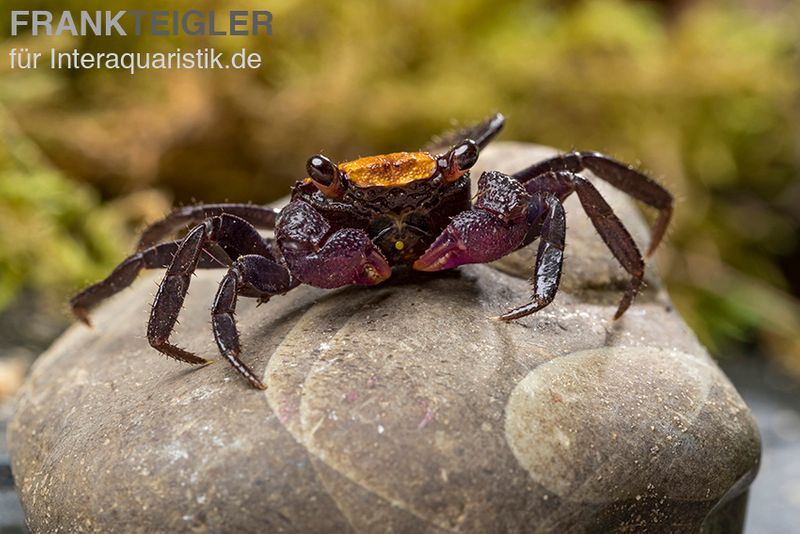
(402, 407)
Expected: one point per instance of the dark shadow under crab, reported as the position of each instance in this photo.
(351, 223)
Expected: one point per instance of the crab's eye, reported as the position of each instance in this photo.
(325, 175)
(465, 155)
(459, 160)
(322, 170)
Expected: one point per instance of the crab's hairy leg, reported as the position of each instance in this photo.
(171, 294)
(615, 235)
(611, 230)
(549, 257)
(125, 273)
(251, 276)
(484, 132)
(622, 176)
(235, 236)
(320, 256)
(259, 216)
(496, 225)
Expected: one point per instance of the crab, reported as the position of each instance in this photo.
(353, 222)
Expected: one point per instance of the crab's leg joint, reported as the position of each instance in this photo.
(155, 257)
(622, 176)
(259, 216)
(250, 276)
(549, 257)
(616, 237)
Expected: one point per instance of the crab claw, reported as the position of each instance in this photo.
(496, 225)
(447, 252)
(474, 236)
(350, 257)
(375, 269)
(346, 257)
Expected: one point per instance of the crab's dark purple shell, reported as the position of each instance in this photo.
(402, 220)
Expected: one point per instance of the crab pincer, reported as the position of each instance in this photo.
(495, 226)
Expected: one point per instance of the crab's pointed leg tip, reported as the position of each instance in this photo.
(82, 315)
(509, 316)
(258, 384)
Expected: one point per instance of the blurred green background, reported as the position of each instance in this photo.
(705, 94)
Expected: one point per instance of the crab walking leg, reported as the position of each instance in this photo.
(323, 257)
(549, 257)
(126, 272)
(482, 133)
(235, 236)
(259, 216)
(615, 235)
(251, 276)
(623, 177)
(611, 230)
(496, 225)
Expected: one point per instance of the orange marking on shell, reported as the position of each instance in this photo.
(396, 169)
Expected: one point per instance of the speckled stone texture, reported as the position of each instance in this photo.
(402, 407)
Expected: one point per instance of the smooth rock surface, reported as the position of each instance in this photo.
(402, 407)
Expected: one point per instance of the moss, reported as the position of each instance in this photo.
(706, 94)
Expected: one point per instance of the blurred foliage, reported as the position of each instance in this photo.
(54, 233)
(707, 94)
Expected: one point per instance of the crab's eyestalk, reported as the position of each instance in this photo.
(326, 176)
(459, 160)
